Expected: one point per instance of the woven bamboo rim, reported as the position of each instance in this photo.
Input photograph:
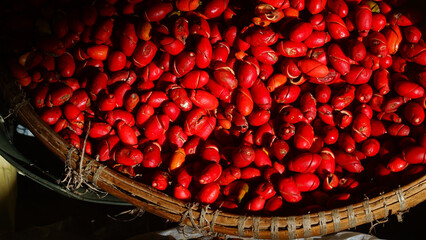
(143, 196)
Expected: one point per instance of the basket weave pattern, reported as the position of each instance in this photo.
(143, 196)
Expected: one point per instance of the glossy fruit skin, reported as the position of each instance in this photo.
(209, 193)
(358, 75)
(99, 129)
(306, 182)
(172, 45)
(203, 99)
(312, 68)
(144, 53)
(343, 98)
(197, 91)
(159, 180)
(126, 133)
(195, 121)
(300, 32)
(287, 94)
(304, 136)
(343, 118)
(363, 19)
(414, 154)
(195, 79)
(128, 156)
(242, 156)
(414, 113)
(151, 155)
(336, 27)
(244, 101)
(370, 147)
(229, 175)
(258, 117)
(361, 128)
(292, 49)
(348, 161)
(408, 89)
(322, 93)
(264, 54)
(288, 190)
(328, 162)
(51, 115)
(210, 173)
(304, 163)
(225, 76)
(260, 95)
(203, 53)
(338, 59)
(273, 204)
(181, 193)
(156, 126)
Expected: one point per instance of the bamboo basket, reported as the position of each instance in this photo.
(143, 196)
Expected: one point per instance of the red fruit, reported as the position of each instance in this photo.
(306, 182)
(128, 156)
(210, 173)
(287, 94)
(264, 54)
(195, 79)
(51, 115)
(98, 52)
(204, 99)
(99, 129)
(126, 133)
(288, 190)
(273, 204)
(370, 147)
(336, 26)
(414, 113)
(242, 156)
(181, 193)
(349, 162)
(361, 128)
(292, 49)
(250, 173)
(304, 136)
(260, 95)
(256, 204)
(156, 126)
(203, 53)
(229, 175)
(151, 155)
(116, 61)
(338, 59)
(157, 11)
(160, 180)
(363, 19)
(409, 89)
(312, 68)
(187, 5)
(265, 189)
(305, 162)
(300, 32)
(144, 53)
(209, 193)
(244, 101)
(195, 121)
(414, 155)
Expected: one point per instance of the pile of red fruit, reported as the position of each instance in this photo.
(247, 105)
